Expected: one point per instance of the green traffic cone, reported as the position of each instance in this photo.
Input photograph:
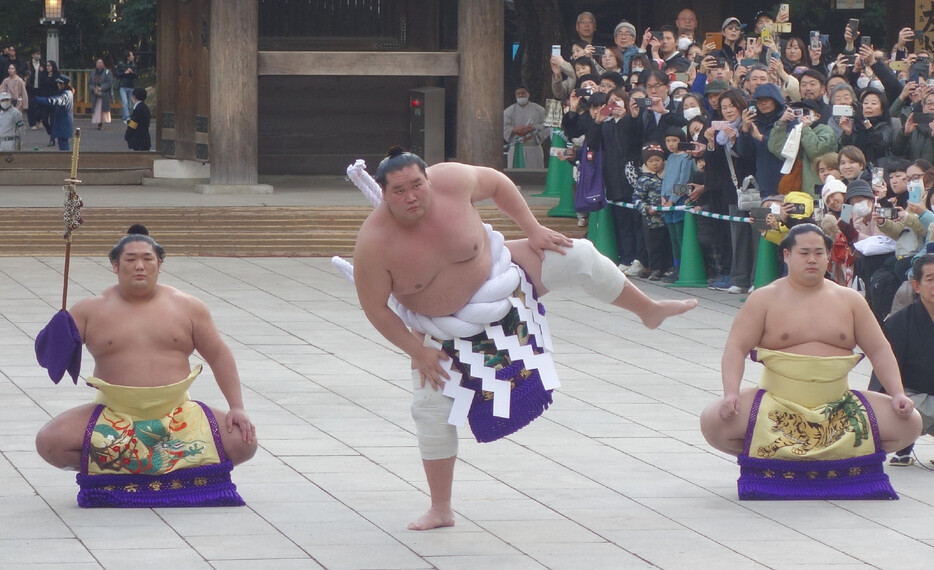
(767, 269)
(692, 272)
(518, 154)
(560, 173)
(602, 233)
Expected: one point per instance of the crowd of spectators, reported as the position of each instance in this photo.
(682, 116)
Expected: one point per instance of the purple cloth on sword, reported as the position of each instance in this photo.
(58, 347)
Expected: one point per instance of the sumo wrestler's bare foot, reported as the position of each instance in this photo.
(656, 314)
(437, 516)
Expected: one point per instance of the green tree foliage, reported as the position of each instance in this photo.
(94, 28)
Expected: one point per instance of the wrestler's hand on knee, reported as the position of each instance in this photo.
(903, 405)
(729, 407)
(427, 362)
(237, 417)
(544, 238)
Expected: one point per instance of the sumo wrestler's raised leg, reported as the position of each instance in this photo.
(896, 432)
(61, 440)
(237, 450)
(583, 265)
(437, 443)
(728, 435)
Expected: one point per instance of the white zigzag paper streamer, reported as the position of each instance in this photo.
(489, 383)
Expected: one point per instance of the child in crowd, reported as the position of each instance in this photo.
(647, 197)
(675, 192)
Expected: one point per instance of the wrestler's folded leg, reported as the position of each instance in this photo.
(584, 266)
(437, 439)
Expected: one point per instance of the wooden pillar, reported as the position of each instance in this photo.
(233, 45)
(480, 32)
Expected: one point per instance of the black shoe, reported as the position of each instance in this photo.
(51, 142)
(656, 275)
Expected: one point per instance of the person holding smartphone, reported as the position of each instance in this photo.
(915, 140)
(871, 129)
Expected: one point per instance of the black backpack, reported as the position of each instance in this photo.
(881, 290)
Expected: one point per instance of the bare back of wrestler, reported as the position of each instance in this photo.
(804, 313)
(141, 333)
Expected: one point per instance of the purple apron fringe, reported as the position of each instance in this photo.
(528, 400)
(860, 477)
(201, 486)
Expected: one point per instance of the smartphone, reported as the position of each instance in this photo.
(897, 66)
(853, 24)
(915, 191)
(716, 38)
(721, 62)
(843, 110)
(918, 70)
(781, 28)
(783, 9)
(719, 125)
(846, 213)
(682, 77)
(766, 33)
(815, 40)
(555, 50)
(878, 176)
(686, 146)
(798, 112)
(583, 92)
(682, 189)
(752, 109)
(887, 213)
(923, 118)
(657, 35)
(865, 41)
(797, 209)
(931, 83)
(747, 61)
(644, 102)
(849, 60)
(607, 109)
(759, 216)
(698, 59)
(775, 55)
(598, 51)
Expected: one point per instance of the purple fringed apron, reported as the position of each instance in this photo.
(800, 452)
(141, 451)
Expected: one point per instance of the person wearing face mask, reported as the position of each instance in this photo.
(872, 245)
(11, 124)
(523, 121)
(692, 106)
(870, 128)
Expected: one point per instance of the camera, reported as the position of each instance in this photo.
(798, 113)
(842, 110)
(682, 189)
(583, 91)
(887, 213)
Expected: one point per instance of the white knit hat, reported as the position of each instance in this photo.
(832, 186)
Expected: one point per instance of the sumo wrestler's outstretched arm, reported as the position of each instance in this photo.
(208, 342)
(374, 285)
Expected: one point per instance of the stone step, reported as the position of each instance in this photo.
(218, 231)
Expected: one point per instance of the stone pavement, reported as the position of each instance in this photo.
(615, 475)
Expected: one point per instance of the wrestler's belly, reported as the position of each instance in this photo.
(811, 348)
(449, 290)
(141, 369)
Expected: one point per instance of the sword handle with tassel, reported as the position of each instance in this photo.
(72, 212)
